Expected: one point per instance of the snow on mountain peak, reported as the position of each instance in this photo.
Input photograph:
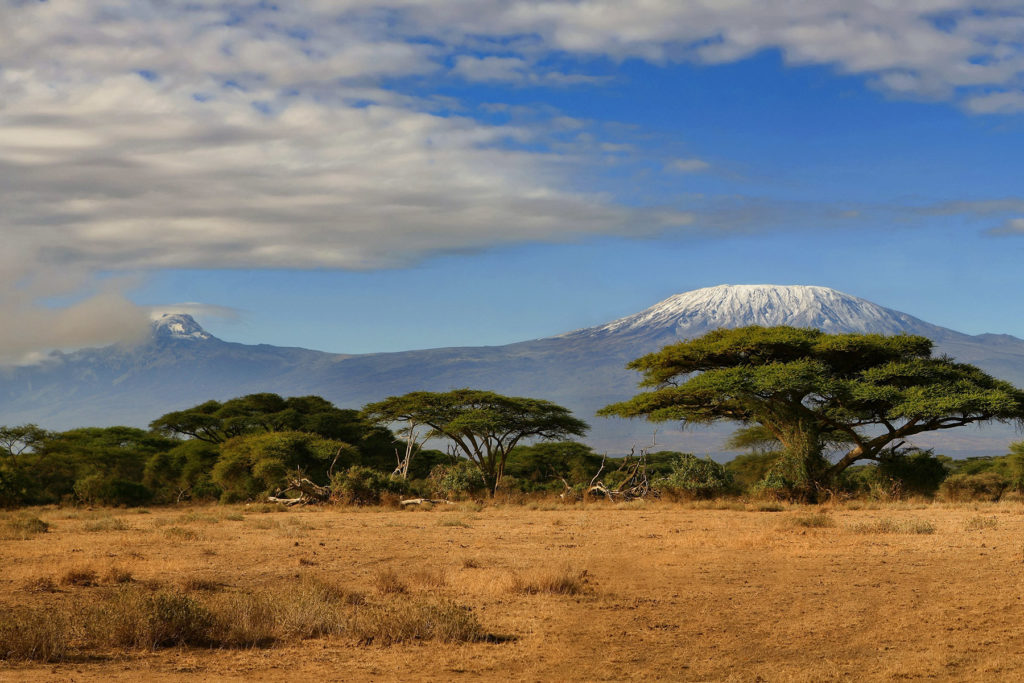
(693, 313)
(178, 326)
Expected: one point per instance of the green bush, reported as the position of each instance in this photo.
(918, 473)
(964, 487)
(456, 481)
(364, 486)
(749, 469)
(695, 477)
(96, 489)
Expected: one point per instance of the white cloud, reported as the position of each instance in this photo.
(195, 309)
(997, 103)
(1012, 226)
(687, 165)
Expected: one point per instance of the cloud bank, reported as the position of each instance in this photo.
(142, 135)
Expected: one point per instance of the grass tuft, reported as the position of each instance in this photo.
(117, 576)
(980, 523)
(817, 520)
(890, 526)
(401, 622)
(81, 577)
(565, 581)
(22, 528)
(43, 584)
(35, 635)
(387, 581)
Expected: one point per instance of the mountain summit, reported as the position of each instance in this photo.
(693, 313)
(179, 326)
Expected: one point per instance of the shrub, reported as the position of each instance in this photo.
(918, 473)
(365, 486)
(963, 487)
(96, 489)
(456, 481)
(695, 477)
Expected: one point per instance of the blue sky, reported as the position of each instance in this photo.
(383, 175)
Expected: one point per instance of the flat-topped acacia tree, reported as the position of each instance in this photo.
(483, 426)
(829, 399)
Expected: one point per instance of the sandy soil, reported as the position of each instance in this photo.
(673, 593)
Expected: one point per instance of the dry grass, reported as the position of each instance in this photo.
(80, 577)
(814, 520)
(565, 581)
(981, 523)
(107, 524)
(892, 526)
(388, 581)
(22, 527)
(663, 591)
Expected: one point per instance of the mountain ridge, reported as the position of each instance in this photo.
(182, 364)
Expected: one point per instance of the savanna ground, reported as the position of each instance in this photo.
(654, 590)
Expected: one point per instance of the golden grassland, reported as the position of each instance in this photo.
(549, 591)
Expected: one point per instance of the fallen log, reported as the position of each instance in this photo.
(421, 501)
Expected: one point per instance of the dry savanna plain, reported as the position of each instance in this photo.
(726, 591)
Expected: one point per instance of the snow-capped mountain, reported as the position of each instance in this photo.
(182, 365)
(178, 326)
(693, 313)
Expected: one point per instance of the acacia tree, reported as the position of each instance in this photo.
(850, 396)
(482, 425)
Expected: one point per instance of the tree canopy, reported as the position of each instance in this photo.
(482, 425)
(216, 423)
(857, 396)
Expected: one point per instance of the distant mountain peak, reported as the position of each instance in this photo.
(698, 311)
(179, 326)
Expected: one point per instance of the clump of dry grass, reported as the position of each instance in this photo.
(266, 524)
(35, 635)
(43, 584)
(392, 623)
(179, 533)
(196, 517)
(81, 577)
(136, 618)
(981, 523)
(891, 526)
(388, 581)
(117, 575)
(22, 528)
(470, 563)
(817, 520)
(565, 581)
(199, 583)
(429, 577)
(107, 524)
(448, 521)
